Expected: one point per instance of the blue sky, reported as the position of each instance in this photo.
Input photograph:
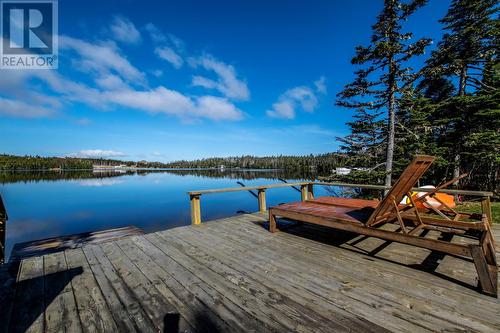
(168, 80)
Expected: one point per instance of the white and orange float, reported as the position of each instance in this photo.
(430, 202)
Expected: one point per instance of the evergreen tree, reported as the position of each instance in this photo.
(365, 143)
(384, 75)
(469, 42)
(466, 51)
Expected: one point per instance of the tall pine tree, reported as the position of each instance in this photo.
(384, 75)
(464, 53)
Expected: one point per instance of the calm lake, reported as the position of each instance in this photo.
(48, 204)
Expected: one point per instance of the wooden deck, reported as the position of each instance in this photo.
(61, 243)
(232, 275)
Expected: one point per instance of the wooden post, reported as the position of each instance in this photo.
(195, 209)
(310, 192)
(3, 228)
(303, 192)
(486, 207)
(262, 200)
(272, 222)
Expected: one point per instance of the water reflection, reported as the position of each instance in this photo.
(49, 204)
(35, 176)
(100, 182)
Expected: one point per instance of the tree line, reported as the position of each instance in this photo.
(321, 164)
(449, 108)
(317, 164)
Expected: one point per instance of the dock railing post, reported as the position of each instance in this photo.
(3, 229)
(303, 192)
(195, 209)
(310, 191)
(486, 208)
(262, 200)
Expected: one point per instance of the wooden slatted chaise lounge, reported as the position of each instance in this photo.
(366, 217)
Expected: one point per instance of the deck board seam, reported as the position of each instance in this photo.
(181, 283)
(314, 294)
(248, 278)
(225, 238)
(146, 275)
(322, 247)
(120, 299)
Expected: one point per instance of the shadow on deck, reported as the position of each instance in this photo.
(233, 275)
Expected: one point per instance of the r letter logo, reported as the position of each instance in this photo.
(29, 34)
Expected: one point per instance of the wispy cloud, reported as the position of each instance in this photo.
(158, 37)
(97, 153)
(168, 54)
(124, 30)
(21, 109)
(302, 97)
(101, 58)
(227, 81)
(321, 85)
(107, 80)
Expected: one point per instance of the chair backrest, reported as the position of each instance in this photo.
(403, 185)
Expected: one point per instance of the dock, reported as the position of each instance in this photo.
(232, 275)
(61, 243)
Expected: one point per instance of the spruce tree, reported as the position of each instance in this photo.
(464, 54)
(384, 74)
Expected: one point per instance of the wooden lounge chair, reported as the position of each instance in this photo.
(366, 217)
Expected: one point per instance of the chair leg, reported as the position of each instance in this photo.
(272, 222)
(486, 271)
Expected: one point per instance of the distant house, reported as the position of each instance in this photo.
(342, 171)
(346, 171)
(107, 167)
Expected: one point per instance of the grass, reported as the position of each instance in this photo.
(475, 207)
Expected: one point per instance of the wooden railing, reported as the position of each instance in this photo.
(3, 227)
(307, 192)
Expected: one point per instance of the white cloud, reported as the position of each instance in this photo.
(292, 99)
(156, 35)
(301, 97)
(108, 81)
(97, 153)
(321, 85)
(124, 30)
(159, 100)
(159, 37)
(157, 72)
(284, 109)
(171, 102)
(227, 81)
(101, 59)
(217, 108)
(21, 109)
(168, 54)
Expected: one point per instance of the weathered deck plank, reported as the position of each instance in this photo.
(28, 309)
(343, 295)
(365, 283)
(61, 243)
(233, 275)
(61, 314)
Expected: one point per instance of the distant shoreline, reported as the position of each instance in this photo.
(133, 169)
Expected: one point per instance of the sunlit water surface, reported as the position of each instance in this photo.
(48, 204)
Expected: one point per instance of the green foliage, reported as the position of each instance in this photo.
(454, 114)
(470, 39)
(381, 81)
(321, 164)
